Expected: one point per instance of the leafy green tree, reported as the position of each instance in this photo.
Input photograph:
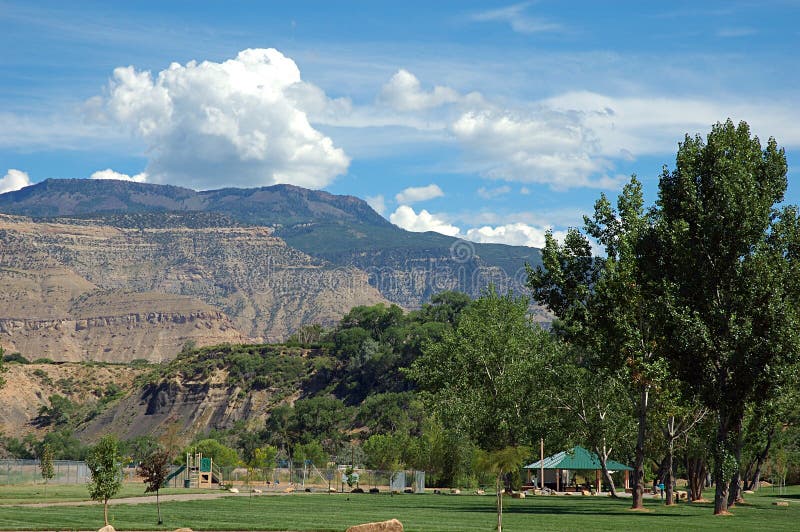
(501, 462)
(320, 418)
(278, 427)
(141, 447)
(483, 377)
(726, 258)
(310, 453)
(46, 465)
(594, 409)
(58, 413)
(105, 466)
(386, 452)
(221, 454)
(264, 460)
(605, 306)
(154, 470)
(390, 412)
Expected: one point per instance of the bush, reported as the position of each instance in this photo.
(16, 358)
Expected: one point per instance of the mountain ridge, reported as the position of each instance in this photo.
(406, 267)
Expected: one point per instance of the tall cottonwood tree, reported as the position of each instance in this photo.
(724, 256)
(605, 305)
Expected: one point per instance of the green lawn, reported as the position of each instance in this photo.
(27, 493)
(428, 513)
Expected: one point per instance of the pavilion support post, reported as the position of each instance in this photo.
(597, 481)
(558, 480)
(541, 464)
(627, 480)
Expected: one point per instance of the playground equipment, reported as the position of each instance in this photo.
(200, 472)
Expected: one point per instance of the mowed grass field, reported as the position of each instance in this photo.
(429, 513)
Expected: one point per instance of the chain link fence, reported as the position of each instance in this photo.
(66, 472)
(279, 479)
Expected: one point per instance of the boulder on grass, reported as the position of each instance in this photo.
(107, 528)
(455, 491)
(480, 492)
(183, 530)
(586, 493)
(289, 490)
(384, 526)
(517, 495)
(780, 503)
(234, 490)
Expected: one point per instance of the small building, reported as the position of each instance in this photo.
(559, 469)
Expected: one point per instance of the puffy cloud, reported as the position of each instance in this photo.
(405, 217)
(404, 93)
(14, 180)
(543, 146)
(108, 173)
(415, 194)
(241, 122)
(489, 193)
(515, 234)
(378, 203)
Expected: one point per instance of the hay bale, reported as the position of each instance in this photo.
(392, 525)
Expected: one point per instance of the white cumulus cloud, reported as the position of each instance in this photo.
(14, 180)
(416, 194)
(405, 217)
(241, 122)
(514, 234)
(404, 93)
(542, 146)
(108, 173)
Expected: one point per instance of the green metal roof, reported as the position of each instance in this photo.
(577, 458)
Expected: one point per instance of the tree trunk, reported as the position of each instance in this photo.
(696, 469)
(638, 467)
(498, 483)
(606, 475)
(105, 511)
(669, 479)
(762, 456)
(158, 509)
(721, 450)
(735, 494)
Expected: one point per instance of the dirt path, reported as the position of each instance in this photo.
(138, 500)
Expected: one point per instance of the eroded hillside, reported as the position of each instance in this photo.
(89, 291)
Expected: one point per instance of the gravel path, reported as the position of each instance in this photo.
(139, 500)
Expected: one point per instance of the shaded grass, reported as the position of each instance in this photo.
(430, 513)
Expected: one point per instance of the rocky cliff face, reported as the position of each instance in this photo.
(194, 405)
(89, 291)
(407, 268)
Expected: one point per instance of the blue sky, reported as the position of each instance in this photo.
(488, 120)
